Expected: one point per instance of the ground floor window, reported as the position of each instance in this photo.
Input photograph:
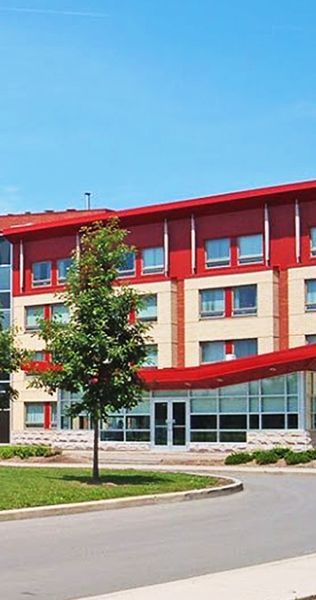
(41, 415)
(128, 426)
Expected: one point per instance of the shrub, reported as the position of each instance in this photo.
(238, 458)
(312, 453)
(23, 452)
(281, 452)
(266, 457)
(297, 458)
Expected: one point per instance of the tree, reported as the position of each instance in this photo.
(11, 359)
(100, 350)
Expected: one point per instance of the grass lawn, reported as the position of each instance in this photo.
(21, 487)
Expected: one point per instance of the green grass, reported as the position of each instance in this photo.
(21, 487)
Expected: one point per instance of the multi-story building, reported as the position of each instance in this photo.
(230, 288)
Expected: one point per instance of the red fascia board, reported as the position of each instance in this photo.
(221, 374)
(179, 209)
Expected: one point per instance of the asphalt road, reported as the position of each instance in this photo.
(61, 558)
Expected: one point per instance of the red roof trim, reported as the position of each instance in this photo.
(173, 209)
(225, 373)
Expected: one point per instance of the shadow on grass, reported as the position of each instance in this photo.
(118, 480)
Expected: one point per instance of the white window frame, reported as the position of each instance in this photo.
(42, 282)
(250, 258)
(152, 270)
(217, 263)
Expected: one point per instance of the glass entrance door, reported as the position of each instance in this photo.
(170, 424)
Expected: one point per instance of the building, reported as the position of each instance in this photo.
(230, 286)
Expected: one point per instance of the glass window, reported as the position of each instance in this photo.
(273, 386)
(60, 312)
(212, 352)
(32, 315)
(212, 303)
(250, 249)
(39, 356)
(311, 294)
(127, 268)
(217, 253)
(313, 241)
(34, 414)
(5, 251)
(153, 260)
(6, 318)
(311, 339)
(233, 405)
(245, 300)
(148, 310)
(152, 356)
(245, 348)
(63, 266)
(41, 272)
(5, 299)
(204, 406)
(204, 422)
(5, 275)
(273, 421)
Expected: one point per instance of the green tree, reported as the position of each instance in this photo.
(100, 350)
(11, 359)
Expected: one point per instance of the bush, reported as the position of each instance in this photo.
(312, 454)
(266, 457)
(23, 452)
(297, 458)
(238, 458)
(281, 452)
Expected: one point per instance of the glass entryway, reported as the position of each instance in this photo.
(170, 424)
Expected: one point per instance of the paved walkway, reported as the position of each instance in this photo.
(292, 579)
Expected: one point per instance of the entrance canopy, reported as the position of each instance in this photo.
(232, 372)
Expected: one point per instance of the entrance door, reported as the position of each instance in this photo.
(170, 424)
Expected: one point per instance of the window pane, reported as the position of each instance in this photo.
(153, 260)
(232, 436)
(6, 318)
(114, 423)
(313, 241)
(273, 404)
(60, 312)
(212, 352)
(250, 249)
(152, 356)
(204, 422)
(63, 266)
(311, 294)
(292, 421)
(203, 436)
(212, 303)
(292, 383)
(273, 386)
(128, 265)
(137, 436)
(217, 253)
(41, 273)
(245, 348)
(273, 421)
(5, 248)
(5, 300)
(245, 300)
(235, 405)
(234, 390)
(5, 274)
(233, 422)
(254, 405)
(33, 314)
(140, 422)
(311, 339)
(292, 404)
(204, 406)
(254, 422)
(142, 408)
(112, 436)
(148, 311)
(34, 415)
(38, 356)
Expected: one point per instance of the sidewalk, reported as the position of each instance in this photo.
(292, 579)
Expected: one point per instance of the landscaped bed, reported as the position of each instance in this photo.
(40, 486)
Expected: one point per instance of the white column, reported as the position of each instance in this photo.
(166, 245)
(193, 244)
(266, 234)
(297, 232)
(77, 246)
(21, 266)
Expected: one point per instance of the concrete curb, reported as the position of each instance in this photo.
(98, 505)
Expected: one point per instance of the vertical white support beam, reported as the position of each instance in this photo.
(21, 266)
(193, 244)
(266, 234)
(297, 232)
(77, 246)
(166, 245)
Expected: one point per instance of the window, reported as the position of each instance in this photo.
(217, 253)
(153, 260)
(212, 303)
(310, 302)
(245, 300)
(313, 241)
(32, 315)
(63, 266)
(41, 272)
(60, 312)
(212, 352)
(245, 348)
(127, 267)
(250, 249)
(148, 310)
(152, 356)
(34, 414)
(38, 356)
(5, 251)
(311, 339)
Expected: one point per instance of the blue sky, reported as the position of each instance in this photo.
(145, 101)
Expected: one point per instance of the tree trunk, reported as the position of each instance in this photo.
(95, 474)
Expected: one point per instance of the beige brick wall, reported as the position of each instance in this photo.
(301, 322)
(264, 326)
